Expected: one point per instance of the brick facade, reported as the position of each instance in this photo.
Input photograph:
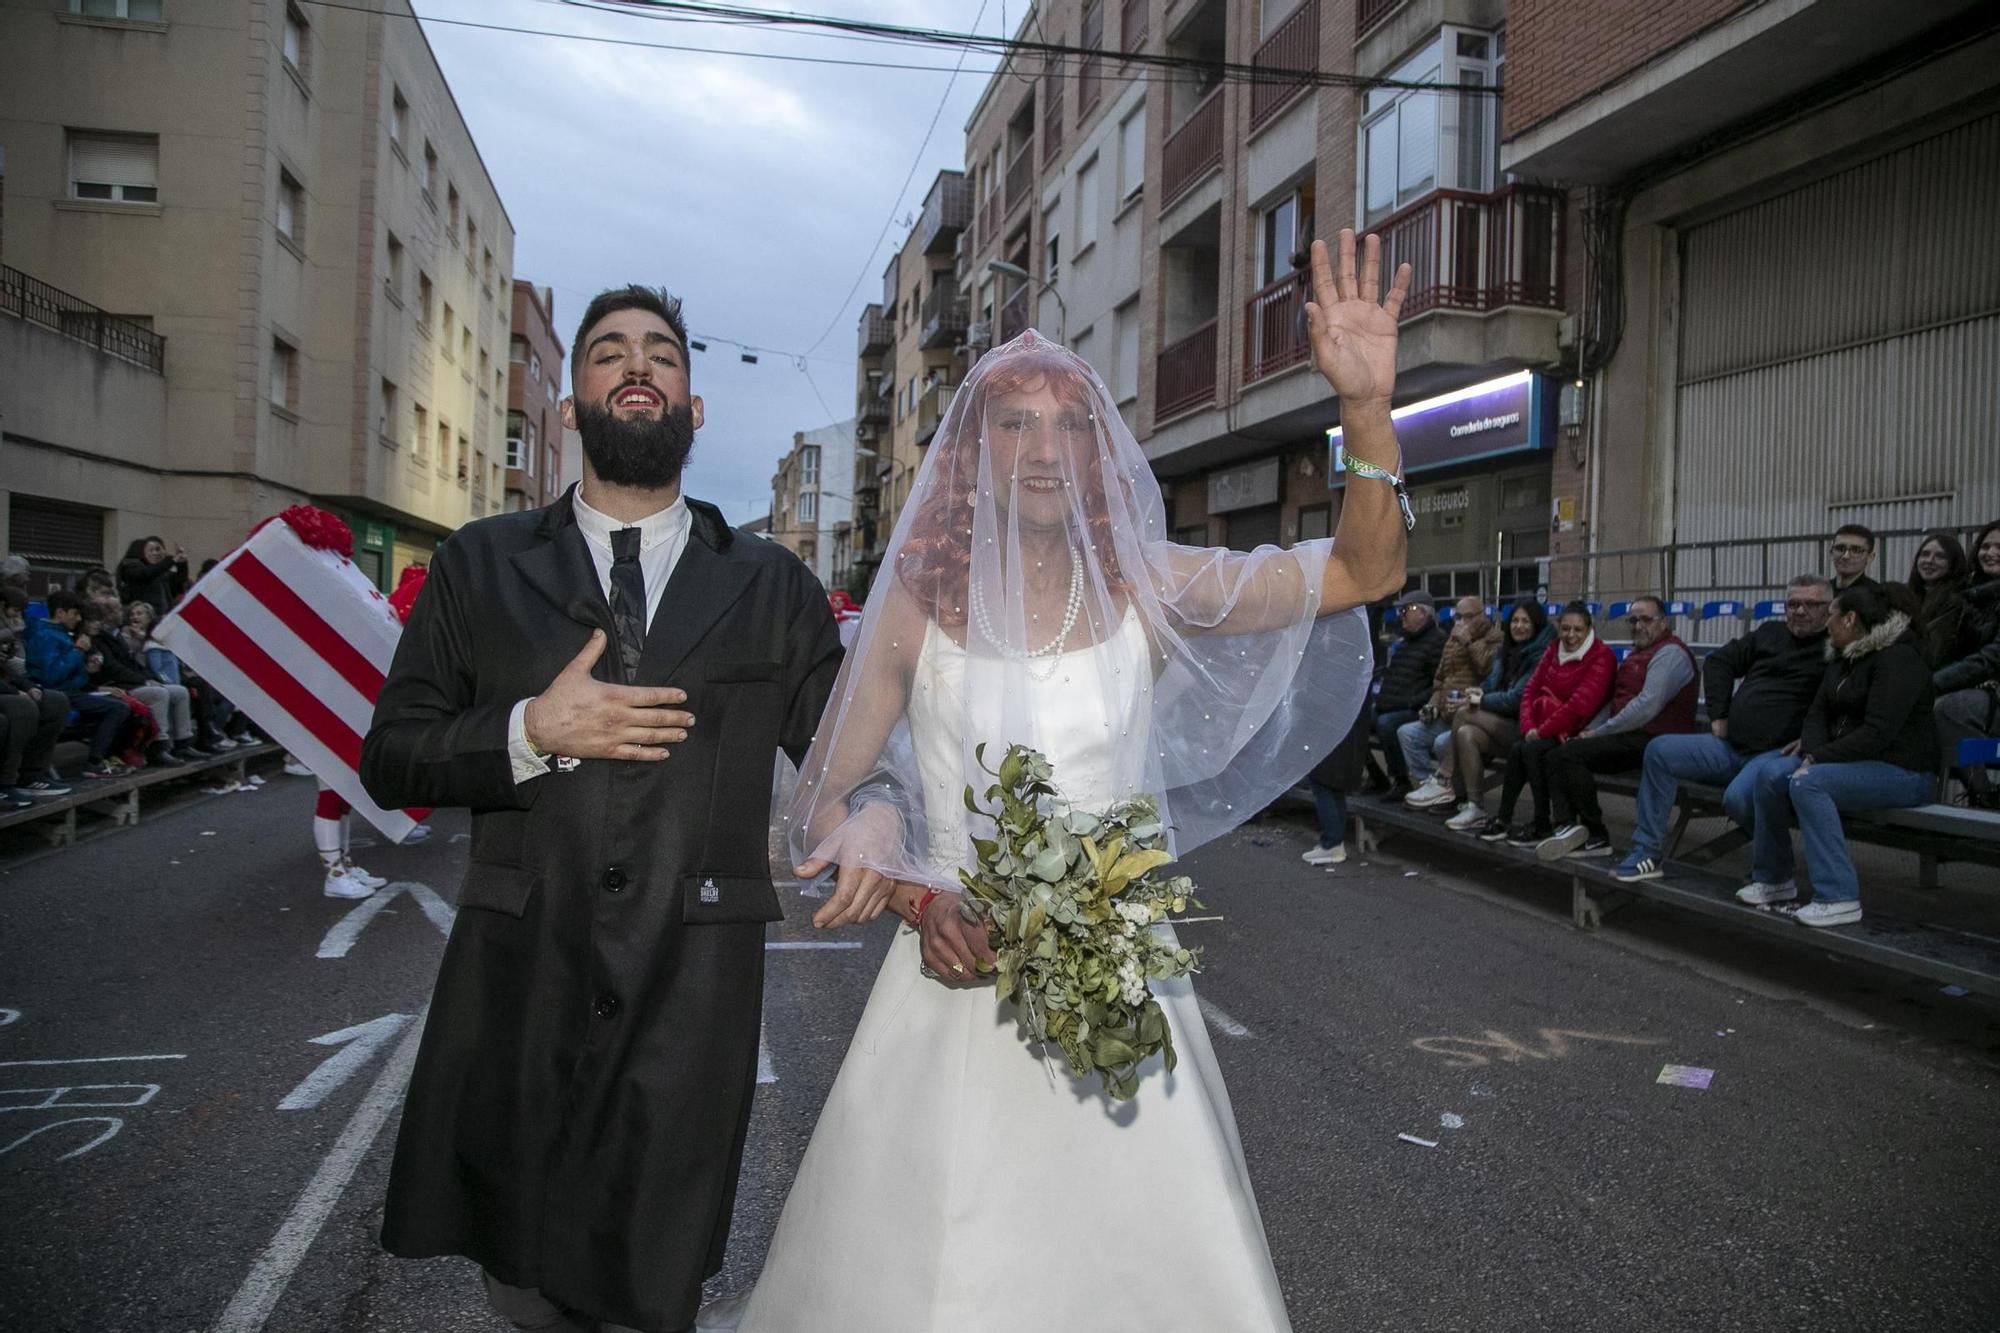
(1561, 51)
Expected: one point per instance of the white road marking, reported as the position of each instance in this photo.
(358, 1046)
(258, 1296)
(1220, 1021)
(812, 944)
(89, 1060)
(341, 936)
(115, 1124)
(766, 1071)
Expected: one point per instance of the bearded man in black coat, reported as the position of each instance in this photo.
(576, 1116)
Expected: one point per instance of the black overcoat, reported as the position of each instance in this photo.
(576, 1116)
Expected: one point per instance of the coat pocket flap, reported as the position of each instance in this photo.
(497, 888)
(724, 672)
(715, 899)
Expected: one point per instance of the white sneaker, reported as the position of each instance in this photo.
(296, 769)
(417, 834)
(1759, 894)
(1819, 912)
(1431, 793)
(1325, 856)
(1469, 815)
(340, 884)
(1562, 842)
(221, 743)
(360, 876)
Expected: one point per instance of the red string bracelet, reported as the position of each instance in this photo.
(917, 917)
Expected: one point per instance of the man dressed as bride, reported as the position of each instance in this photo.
(959, 1179)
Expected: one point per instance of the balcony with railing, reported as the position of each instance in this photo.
(1193, 149)
(1274, 327)
(1014, 315)
(871, 408)
(1089, 71)
(1186, 374)
(876, 332)
(989, 218)
(1293, 44)
(1367, 13)
(947, 211)
(1052, 117)
(931, 409)
(1478, 252)
(1132, 24)
(35, 301)
(1020, 173)
(941, 321)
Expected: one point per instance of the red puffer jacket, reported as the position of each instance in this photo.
(1562, 697)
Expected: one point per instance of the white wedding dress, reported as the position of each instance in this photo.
(959, 1181)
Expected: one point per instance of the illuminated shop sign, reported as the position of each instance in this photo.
(1502, 416)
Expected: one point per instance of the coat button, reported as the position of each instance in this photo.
(614, 879)
(606, 1006)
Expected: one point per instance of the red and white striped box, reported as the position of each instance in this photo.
(301, 641)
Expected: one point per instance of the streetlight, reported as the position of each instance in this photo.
(1016, 271)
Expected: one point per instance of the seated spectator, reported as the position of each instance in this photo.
(148, 574)
(57, 660)
(1868, 744)
(1937, 577)
(1654, 692)
(1758, 687)
(1567, 688)
(1485, 727)
(31, 718)
(1968, 688)
(1468, 655)
(96, 582)
(1853, 549)
(1406, 682)
(170, 705)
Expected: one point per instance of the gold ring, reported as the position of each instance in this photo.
(958, 968)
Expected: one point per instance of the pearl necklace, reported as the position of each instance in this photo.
(1052, 650)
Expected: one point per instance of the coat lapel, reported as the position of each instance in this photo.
(561, 571)
(705, 584)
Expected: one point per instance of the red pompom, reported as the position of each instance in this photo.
(319, 529)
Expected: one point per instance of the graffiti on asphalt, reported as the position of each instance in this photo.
(1494, 1045)
(60, 1099)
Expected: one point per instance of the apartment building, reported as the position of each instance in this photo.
(1166, 216)
(534, 386)
(1792, 302)
(808, 517)
(911, 356)
(286, 202)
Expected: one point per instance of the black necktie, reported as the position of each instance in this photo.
(628, 599)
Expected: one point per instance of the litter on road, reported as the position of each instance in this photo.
(1685, 1076)
(1451, 1120)
(1421, 1143)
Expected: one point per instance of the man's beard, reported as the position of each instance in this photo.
(647, 453)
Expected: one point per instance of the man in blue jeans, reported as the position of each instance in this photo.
(1406, 683)
(56, 662)
(1758, 688)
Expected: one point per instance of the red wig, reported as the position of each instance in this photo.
(936, 560)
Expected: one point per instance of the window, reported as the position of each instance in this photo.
(446, 337)
(551, 387)
(487, 261)
(517, 348)
(420, 438)
(1125, 352)
(471, 236)
(809, 507)
(528, 440)
(143, 11)
(451, 213)
(464, 459)
(1315, 522)
(534, 365)
(1284, 229)
(1415, 141)
(295, 41)
(386, 416)
(429, 180)
(392, 272)
(444, 445)
(399, 118)
(1086, 207)
(1132, 154)
(424, 298)
(284, 387)
(117, 168)
(291, 207)
(517, 440)
(465, 348)
(809, 466)
(1052, 259)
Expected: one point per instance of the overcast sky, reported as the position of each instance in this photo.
(752, 188)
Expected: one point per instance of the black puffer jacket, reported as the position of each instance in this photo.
(1762, 684)
(1407, 680)
(1979, 642)
(1875, 703)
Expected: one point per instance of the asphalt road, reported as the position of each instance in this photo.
(161, 991)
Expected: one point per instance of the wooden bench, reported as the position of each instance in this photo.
(118, 798)
(1954, 957)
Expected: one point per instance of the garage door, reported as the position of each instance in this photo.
(1839, 352)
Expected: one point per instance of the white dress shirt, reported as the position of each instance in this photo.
(662, 538)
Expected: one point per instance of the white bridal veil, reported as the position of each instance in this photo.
(1030, 594)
